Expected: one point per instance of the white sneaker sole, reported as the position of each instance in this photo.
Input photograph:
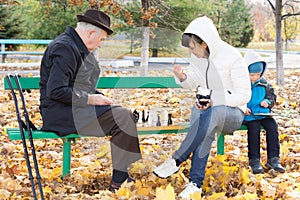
(164, 176)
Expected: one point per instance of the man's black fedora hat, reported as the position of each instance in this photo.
(97, 18)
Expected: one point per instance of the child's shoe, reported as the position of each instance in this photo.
(275, 164)
(256, 166)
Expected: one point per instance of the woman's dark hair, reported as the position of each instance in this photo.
(186, 37)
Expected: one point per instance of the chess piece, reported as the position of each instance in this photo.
(136, 115)
(152, 117)
(143, 116)
(170, 119)
(164, 117)
(158, 120)
(147, 118)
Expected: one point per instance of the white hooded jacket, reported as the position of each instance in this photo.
(224, 72)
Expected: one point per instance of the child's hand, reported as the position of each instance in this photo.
(264, 104)
(248, 111)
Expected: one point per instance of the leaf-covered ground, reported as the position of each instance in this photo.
(227, 177)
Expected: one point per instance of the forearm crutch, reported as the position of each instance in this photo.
(22, 126)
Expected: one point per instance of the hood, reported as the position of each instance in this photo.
(253, 57)
(204, 28)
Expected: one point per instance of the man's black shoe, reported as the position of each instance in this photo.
(113, 187)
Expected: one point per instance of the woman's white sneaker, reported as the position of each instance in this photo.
(166, 169)
(190, 188)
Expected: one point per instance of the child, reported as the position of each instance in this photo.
(262, 100)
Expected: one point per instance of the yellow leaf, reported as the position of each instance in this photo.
(167, 194)
(207, 189)
(245, 176)
(298, 187)
(221, 158)
(282, 136)
(250, 196)
(123, 192)
(195, 196)
(143, 191)
(4, 194)
(293, 104)
(216, 196)
(47, 189)
(280, 100)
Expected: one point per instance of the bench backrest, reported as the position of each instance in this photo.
(23, 41)
(3, 42)
(110, 82)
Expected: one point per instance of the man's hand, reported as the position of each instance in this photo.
(179, 73)
(98, 99)
(248, 111)
(203, 107)
(264, 104)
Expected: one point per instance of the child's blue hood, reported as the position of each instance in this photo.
(253, 57)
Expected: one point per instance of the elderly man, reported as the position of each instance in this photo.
(69, 101)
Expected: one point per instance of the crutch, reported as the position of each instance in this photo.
(28, 126)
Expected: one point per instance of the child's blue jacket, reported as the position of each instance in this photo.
(261, 90)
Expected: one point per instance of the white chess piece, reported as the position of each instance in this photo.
(152, 117)
(164, 117)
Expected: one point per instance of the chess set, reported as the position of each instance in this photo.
(154, 117)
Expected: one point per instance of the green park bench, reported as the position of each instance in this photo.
(31, 83)
(5, 42)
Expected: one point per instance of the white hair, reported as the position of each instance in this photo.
(88, 26)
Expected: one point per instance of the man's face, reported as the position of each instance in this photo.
(96, 39)
(199, 50)
(254, 77)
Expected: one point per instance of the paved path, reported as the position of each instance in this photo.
(290, 61)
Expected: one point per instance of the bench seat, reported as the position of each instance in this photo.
(14, 134)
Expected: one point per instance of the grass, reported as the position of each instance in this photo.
(271, 46)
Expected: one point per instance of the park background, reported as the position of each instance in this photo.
(244, 24)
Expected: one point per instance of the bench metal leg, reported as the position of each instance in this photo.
(66, 157)
(220, 144)
(3, 58)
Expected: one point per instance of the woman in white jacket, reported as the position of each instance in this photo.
(219, 71)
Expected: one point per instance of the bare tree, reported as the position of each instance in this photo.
(145, 41)
(277, 10)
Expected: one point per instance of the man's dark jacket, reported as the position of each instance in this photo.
(69, 72)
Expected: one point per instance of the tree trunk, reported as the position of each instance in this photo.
(278, 44)
(145, 43)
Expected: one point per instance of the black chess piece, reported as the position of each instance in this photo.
(170, 119)
(147, 116)
(136, 115)
(143, 116)
(158, 121)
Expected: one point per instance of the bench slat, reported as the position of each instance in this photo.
(23, 41)
(109, 82)
(22, 52)
(14, 133)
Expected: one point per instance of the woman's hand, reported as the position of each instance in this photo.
(98, 99)
(179, 72)
(203, 107)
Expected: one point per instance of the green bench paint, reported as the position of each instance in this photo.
(4, 42)
(29, 83)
